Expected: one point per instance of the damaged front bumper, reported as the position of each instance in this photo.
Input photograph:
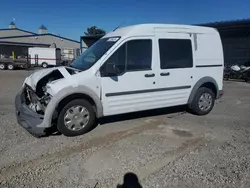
(35, 104)
(27, 118)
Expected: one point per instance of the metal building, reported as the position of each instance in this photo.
(17, 40)
(235, 37)
(88, 40)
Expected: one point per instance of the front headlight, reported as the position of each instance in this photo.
(47, 98)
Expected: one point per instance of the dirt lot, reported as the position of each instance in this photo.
(164, 148)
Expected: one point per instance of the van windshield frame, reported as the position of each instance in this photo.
(90, 56)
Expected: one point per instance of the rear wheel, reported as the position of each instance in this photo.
(10, 66)
(203, 101)
(76, 118)
(2, 66)
(45, 65)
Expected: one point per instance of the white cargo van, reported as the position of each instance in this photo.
(131, 69)
(44, 57)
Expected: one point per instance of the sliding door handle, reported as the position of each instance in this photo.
(165, 74)
(149, 75)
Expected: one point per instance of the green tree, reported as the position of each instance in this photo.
(94, 31)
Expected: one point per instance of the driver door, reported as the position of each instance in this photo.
(130, 89)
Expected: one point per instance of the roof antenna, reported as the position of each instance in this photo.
(119, 26)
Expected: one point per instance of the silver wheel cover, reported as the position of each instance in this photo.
(76, 118)
(205, 102)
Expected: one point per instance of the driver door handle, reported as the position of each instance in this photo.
(165, 74)
(149, 75)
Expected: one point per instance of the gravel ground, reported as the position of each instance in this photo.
(162, 148)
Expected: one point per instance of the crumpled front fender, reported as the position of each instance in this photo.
(65, 92)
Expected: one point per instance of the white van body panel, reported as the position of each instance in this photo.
(209, 57)
(207, 51)
(181, 78)
(114, 89)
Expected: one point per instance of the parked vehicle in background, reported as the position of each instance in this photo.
(44, 57)
(69, 55)
(11, 63)
(40, 57)
(237, 72)
(131, 69)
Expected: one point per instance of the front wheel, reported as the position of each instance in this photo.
(203, 101)
(76, 118)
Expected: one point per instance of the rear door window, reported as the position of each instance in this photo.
(175, 53)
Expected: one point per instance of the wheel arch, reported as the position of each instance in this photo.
(73, 96)
(208, 82)
(67, 94)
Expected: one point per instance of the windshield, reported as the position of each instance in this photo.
(89, 57)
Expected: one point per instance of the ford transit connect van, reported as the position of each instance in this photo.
(134, 68)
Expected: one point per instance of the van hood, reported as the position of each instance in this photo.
(40, 87)
(49, 75)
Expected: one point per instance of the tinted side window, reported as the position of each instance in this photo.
(134, 55)
(118, 59)
(175, 53)
(139, 55)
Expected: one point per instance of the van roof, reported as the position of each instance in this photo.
(151, 29)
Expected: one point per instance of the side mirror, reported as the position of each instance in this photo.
(111, 69)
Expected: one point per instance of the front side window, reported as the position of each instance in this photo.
(90, 56)
(117, 59)
(134, 55)
(175, 53)
(139, 55)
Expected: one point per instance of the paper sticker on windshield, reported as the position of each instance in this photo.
(114, 39)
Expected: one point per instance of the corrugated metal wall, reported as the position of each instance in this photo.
(12, 32)
(235, 37)
(43, 39)
(236, 50)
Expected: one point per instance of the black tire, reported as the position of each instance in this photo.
(10, 66)
(91, 122)
(194, 107)
(2, 66)
(44, 65)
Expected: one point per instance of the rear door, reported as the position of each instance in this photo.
(176, 67)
